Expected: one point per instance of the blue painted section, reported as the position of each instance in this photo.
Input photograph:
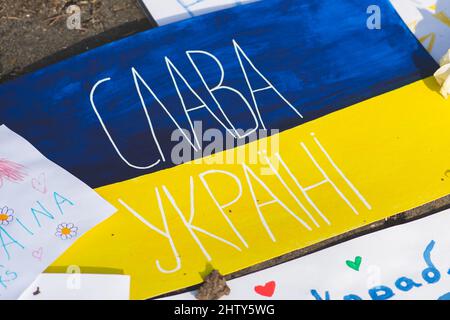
(317, 53)
(445, 296)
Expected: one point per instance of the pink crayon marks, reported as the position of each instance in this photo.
(39, 183)
(11, 171)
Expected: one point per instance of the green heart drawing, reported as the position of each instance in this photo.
(354, 264)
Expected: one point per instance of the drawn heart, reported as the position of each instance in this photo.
(266, 290)
(354, 264)
(37, 254)
(38, 184)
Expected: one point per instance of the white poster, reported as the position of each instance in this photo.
(406, 262)
(43, 211)
(78, 286)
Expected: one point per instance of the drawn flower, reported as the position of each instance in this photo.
(6, 216)
(66, 231)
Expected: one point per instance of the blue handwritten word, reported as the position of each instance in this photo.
(430, 275)
(37, 213)
(445, 296)
(318, 297)
(6, 276)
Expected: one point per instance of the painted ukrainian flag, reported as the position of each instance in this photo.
(300, 121)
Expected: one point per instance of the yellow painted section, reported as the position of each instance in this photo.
(388, 154)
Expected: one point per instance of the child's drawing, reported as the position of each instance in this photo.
(11, 171)
(6, 216)
(35, 214)
(66, 231)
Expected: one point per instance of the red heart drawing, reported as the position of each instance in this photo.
(266, 290)
(38, 184)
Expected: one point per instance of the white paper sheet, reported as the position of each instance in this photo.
(168, 11)
(43, 210)
(409, 261)
(78, 287)
(429, 20)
